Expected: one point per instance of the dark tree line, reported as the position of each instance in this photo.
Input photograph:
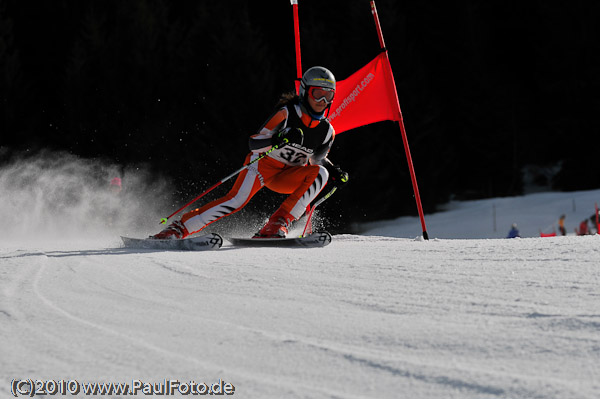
(485, 89)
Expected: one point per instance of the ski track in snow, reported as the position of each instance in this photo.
(365, 317)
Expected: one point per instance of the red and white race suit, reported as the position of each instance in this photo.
(293, 169)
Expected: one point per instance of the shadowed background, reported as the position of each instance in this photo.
(496, 96)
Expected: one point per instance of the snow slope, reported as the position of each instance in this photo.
(365, 317)
(492, 218)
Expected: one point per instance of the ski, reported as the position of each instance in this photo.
(317, 239)
(203, 243)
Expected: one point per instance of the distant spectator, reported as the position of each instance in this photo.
(594, 223)
(514, 232)
(583, 228)
(561, 225)
(115, 185)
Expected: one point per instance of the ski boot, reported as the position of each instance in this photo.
(277, 226)
(174, 231)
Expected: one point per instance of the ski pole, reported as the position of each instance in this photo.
(312, 210)
(240, 170)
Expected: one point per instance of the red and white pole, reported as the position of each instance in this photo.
(297, 41)
(413, 177)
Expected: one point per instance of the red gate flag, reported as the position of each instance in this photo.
(367, 96)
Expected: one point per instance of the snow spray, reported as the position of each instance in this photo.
(58, 195)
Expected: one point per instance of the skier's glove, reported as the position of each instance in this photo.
(338, 177)
(288, 135)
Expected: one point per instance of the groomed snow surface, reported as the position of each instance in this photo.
(365, 317)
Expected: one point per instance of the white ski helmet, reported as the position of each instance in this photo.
(316, 76)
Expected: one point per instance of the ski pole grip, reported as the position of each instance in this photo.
(284, 142)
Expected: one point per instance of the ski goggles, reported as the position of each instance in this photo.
(321, 94)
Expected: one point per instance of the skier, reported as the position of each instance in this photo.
(298, 166)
